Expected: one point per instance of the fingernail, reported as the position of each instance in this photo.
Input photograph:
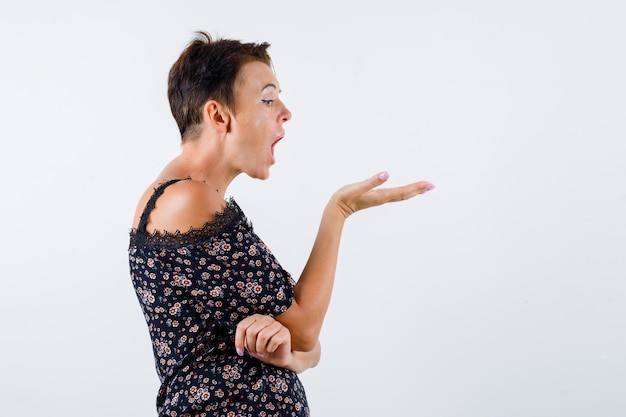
(430, 187)
(239, 352)
(383, 176)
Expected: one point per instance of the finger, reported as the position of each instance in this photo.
(251, 339)
(372, 182)
(252, 335)
(240, 333)
(280, 337)
(388, 195)
(271, 337)
(256, 335)
(362, 187)
(264, 333)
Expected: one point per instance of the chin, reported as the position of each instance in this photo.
(260, 175)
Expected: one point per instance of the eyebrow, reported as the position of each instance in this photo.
(270, 85)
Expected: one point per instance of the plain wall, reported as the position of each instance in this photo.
(500, 293)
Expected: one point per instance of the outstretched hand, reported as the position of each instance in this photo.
(361, 195)
(265, 339)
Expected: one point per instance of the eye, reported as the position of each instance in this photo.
(268, 102)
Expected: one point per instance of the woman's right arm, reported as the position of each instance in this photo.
(269, 341)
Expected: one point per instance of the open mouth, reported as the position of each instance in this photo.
(274, 144)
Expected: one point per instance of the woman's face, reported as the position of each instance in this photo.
(257, 122)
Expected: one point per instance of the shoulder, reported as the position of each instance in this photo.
(183, 205)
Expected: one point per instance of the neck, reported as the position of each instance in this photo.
(203, 160)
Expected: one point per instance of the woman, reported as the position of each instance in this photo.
(230, 328)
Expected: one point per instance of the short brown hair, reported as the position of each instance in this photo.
(207, 70)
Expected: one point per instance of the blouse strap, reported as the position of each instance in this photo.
(158, 191)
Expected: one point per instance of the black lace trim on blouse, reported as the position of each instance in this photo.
(224, 220)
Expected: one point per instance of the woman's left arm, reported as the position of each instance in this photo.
(301, 361)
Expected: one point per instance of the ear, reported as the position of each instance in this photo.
(217, 115)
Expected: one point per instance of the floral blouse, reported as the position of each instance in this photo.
(194, 288)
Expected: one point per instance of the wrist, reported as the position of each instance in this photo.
(335, 207)
(294, 363)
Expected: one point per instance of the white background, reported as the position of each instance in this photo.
(500, 293)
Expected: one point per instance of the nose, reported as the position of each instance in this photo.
(285, 115)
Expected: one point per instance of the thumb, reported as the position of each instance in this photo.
(374, 181)
(381, 177)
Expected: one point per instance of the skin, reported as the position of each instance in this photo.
(241, 141)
